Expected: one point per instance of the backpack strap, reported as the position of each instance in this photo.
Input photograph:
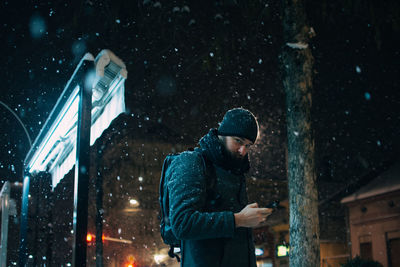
(211, 177)
(172, 254)
(209, 170)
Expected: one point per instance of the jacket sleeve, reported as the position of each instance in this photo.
(187, 196)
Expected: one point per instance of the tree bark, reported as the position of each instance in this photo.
(298, 63)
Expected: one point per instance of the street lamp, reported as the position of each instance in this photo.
(54, 149)
(92, 98)
(134, 203)
(159, 258)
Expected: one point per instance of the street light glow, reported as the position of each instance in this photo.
(134, 202)
(259, 252)
(159, 258)
(89, 237)
(59, 132)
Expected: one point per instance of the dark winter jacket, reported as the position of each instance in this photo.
(202, 215)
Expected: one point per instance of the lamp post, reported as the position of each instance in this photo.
(81, 184)
(84, 110)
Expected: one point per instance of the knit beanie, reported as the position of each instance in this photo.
(239, 122)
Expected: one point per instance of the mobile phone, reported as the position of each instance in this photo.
(273, 205)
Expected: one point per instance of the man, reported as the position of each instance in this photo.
(214, 222)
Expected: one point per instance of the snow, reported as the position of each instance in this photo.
(37, 26)
(185, 9)
(298, 45)
(218, 16)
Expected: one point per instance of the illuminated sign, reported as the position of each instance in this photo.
(282, 250)
(259, 252)
(54, 150)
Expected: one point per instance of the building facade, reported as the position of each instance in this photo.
(374, 219)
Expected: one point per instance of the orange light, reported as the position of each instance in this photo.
(102, 237)
(89, 237)
(131, 259)
(130, 262)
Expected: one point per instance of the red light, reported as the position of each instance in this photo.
(89, 237)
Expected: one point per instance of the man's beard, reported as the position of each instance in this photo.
(234, 159)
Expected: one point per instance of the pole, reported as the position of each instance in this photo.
(5, 197)
(24, 222)
(99, 220)
(82, 165)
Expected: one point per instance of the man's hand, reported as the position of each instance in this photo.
(251, 216)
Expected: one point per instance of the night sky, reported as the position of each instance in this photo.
(190, 62)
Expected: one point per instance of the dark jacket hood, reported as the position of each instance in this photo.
(216, 152)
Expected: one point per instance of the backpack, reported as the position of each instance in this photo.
(165, 225)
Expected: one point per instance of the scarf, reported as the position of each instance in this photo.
(216, 152)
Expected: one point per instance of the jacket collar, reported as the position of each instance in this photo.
(216, 152)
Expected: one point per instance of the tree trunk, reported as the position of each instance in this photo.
(303, 197)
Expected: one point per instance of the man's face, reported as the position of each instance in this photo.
(238, 147)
